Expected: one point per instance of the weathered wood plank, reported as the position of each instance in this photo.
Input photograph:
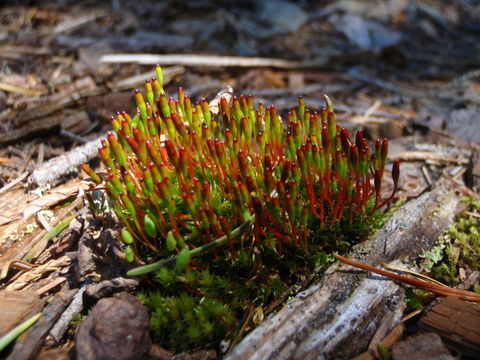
(458, 324)
(337, 317)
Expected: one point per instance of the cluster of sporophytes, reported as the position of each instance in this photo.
(181, 177)
(185, 179)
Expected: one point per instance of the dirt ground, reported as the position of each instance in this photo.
(408, 70)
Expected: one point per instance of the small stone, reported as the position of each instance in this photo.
(117, 328)
(424, 346)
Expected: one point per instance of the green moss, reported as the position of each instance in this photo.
(212, 299)
(458, 247)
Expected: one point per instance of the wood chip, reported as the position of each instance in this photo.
(19, 89)
(56, 167)
(38, 272)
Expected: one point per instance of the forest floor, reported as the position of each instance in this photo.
(401, 69)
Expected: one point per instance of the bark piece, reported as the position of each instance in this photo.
(117, 328)
(337, 317)
(457, 322)
(108, 287)
(426, 346)
(99, 257)
(43, 126)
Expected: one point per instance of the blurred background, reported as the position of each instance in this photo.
(403, 69)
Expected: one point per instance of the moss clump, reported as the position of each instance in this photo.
(217, 296)
(458, 248)
(181, 176)
(280, 194)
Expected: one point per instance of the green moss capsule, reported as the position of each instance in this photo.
(150, 227)
(171, 242)
(183, 259)
(129, 254)
(126, 236)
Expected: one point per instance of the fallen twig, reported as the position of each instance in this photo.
(429, 156)
(53, 169)
(51, 285)
(133, 81)
(14, 182)
(207, 60)
(19, 89)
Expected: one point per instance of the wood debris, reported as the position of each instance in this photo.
(456, 322)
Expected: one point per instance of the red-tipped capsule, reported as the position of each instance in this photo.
(301, 107)
(242, 162)
(325, 138)
(251, 184)
(183, 161)
(269, 181)
(206, 192)
(171, 151)
(395, 173)
(154, 153)
(104, 153)
(88, 170)
(384, 151)
(117, 149)
(345, 138)
(285, 170)
(359, 139)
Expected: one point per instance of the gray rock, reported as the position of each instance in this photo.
(465, 124)
(282, 14)
(366, 34)
(116, 329)
(424, 346)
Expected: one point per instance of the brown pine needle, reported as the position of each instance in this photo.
(419, 284)
(413, 273)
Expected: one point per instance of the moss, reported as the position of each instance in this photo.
(217, 294)
(247, 204)
(457, 248)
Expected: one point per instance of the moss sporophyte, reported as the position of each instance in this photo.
(184, 180)
(260, 201)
